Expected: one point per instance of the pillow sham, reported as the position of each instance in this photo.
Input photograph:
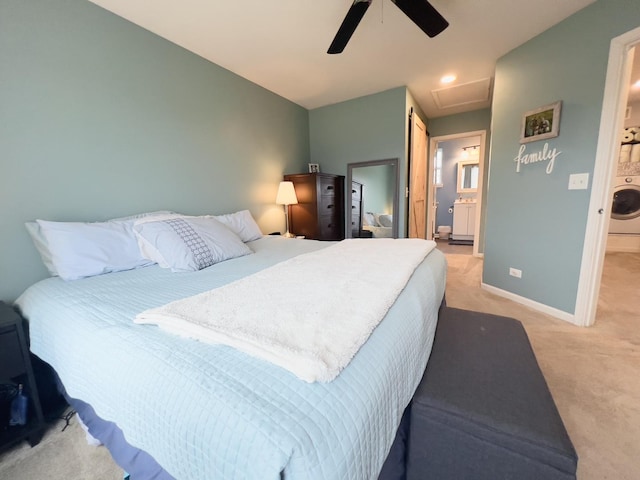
(242, 224)
(369, 219)
(385, 220)
(138, 216)
(41, 246)
(73, 250)
(188, 243)
(46, 253)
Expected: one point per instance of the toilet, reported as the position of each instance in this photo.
(444, 231)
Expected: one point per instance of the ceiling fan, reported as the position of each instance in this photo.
(421, 12)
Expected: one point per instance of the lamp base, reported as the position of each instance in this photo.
(288, 235)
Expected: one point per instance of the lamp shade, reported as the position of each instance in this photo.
(286, 194)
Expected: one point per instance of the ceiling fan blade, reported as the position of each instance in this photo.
(423, 15)
(349, 24)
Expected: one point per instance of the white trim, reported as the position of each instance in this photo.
(433, 144)
(611, 123)
(540, 307)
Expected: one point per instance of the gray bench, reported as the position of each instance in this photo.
(483, 410)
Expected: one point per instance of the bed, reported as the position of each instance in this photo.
(203, 411)
(379, 224)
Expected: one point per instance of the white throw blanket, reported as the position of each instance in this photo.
(309, 314)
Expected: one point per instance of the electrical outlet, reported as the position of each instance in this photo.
(514, 272)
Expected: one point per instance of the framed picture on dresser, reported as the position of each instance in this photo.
(314, 168)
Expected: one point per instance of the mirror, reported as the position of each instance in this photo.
(468, 171)
(372, 199)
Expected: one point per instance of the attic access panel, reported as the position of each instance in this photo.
(472, 92)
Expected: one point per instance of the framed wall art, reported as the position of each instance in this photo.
(541, 123)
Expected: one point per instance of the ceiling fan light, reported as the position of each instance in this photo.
(448, 79)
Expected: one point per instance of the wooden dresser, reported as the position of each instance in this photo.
(356, 210)
(319, 214)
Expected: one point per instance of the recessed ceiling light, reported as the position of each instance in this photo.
(637, 84)
(447, 79)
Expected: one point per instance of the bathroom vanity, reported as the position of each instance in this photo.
(464, 219)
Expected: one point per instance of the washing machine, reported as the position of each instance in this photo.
(625, 209)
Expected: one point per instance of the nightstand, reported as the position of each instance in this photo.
(15, 366)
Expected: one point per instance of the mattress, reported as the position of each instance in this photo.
(209, 411)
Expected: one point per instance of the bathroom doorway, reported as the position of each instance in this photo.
(458, 197)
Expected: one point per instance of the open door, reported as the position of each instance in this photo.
(418, 179)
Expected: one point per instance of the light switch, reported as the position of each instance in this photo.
(579, 181)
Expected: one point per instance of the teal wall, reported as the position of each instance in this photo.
(359, 130)
(100, 118)
(378, 187)
(534, 223)
(460, 123)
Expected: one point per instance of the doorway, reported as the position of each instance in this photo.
(452, 156)
(607, 154)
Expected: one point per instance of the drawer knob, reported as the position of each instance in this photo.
(330, 187)
(330, 206)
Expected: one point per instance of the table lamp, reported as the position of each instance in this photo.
(286, 196)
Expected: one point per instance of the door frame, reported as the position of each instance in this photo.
(611, 122)
(433, 145)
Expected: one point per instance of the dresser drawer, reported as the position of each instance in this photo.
(355, 223)
(355, 208)
(328, 206)
(327, 187)
(356, 194)
(330, 228)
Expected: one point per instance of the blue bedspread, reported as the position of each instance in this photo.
(211, 412)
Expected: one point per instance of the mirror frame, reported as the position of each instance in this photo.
(394, 162)
(461, 165)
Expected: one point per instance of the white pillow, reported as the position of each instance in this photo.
(44, 250)
(188, 243)
(74, 250)
(369, 219)
(41, 245)
(242, 224)
(385, 220)
(138, 216)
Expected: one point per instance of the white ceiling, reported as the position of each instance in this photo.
(281, 44)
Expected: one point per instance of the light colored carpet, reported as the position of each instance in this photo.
(592, 373)
(59, 456)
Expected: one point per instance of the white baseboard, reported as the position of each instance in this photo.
(540, 307)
